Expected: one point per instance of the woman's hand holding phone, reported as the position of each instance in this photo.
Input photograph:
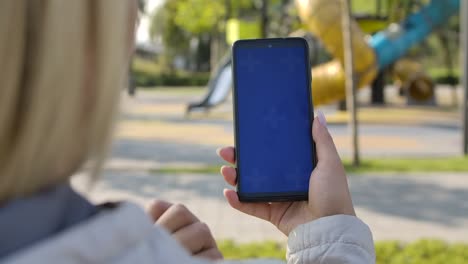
(328, 187)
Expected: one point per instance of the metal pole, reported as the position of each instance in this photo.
(264, 21)
(350, 77)
(228, 9)
(464, 70)
(378, 8)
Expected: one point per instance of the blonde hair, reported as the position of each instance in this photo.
(62, 69)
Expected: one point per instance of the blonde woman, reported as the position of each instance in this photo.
(62, 66)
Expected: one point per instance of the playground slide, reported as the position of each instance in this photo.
(219, 87)
(323, 19)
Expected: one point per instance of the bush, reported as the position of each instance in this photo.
(440, 75)
(421, 252)
(144, 79)
(146, 73)
(425, 251)
(269, 249)
(451, 80)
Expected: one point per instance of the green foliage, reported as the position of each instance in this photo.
(441, 75)
(145, 65)
(179, 20)
(450, 164)
(146, 73)
(241, 7)
(199, 16)
(370, 7)
(173, 79)
(268, 249)
(425, 251)
(175, 39)
(386, 250)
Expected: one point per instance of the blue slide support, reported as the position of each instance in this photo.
(393, 43)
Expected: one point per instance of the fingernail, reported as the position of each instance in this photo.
(218, 151)
(321, 118)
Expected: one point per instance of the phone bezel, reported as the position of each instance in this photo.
(269, 43)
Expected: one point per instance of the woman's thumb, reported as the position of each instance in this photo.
(325, 147)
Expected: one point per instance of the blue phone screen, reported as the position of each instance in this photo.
(274, 121)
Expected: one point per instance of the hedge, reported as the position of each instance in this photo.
(143, 79)
(147, 73)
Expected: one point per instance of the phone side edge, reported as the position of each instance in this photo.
(235, 115)
(309, 77)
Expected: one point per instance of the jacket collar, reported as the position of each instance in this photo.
(102, 238)
(28, 220)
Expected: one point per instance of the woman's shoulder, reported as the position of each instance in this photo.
(124, 234)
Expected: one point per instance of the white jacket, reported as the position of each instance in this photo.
(126, 235)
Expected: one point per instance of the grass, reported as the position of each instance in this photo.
(449, 164)
(435, 72)
(268, 249)
(176, 90)
(428, 251)
(398, 115)
(409, 165)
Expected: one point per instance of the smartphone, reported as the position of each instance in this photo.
(273, 115)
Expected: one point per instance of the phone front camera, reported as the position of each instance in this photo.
(269, 45)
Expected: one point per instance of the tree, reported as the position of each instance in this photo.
(142, 6)
(175, 39)
(179, 22)
(196, 17)
(200, 16)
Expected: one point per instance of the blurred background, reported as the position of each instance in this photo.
(409, 182)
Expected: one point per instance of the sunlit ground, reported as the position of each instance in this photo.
(412, 183)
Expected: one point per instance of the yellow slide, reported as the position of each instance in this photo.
(384, 49)
(323, 19)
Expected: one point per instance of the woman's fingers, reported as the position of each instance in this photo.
(229, 174)
(328, 186)
(260, 210)
(158, 208)
(176, 217)
(196, 237)
(325, 147)
(185, 227)
(228, 154)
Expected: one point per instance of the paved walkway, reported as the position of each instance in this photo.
(397, 207)
(154, 133)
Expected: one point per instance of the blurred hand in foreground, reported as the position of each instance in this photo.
(186, 228)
